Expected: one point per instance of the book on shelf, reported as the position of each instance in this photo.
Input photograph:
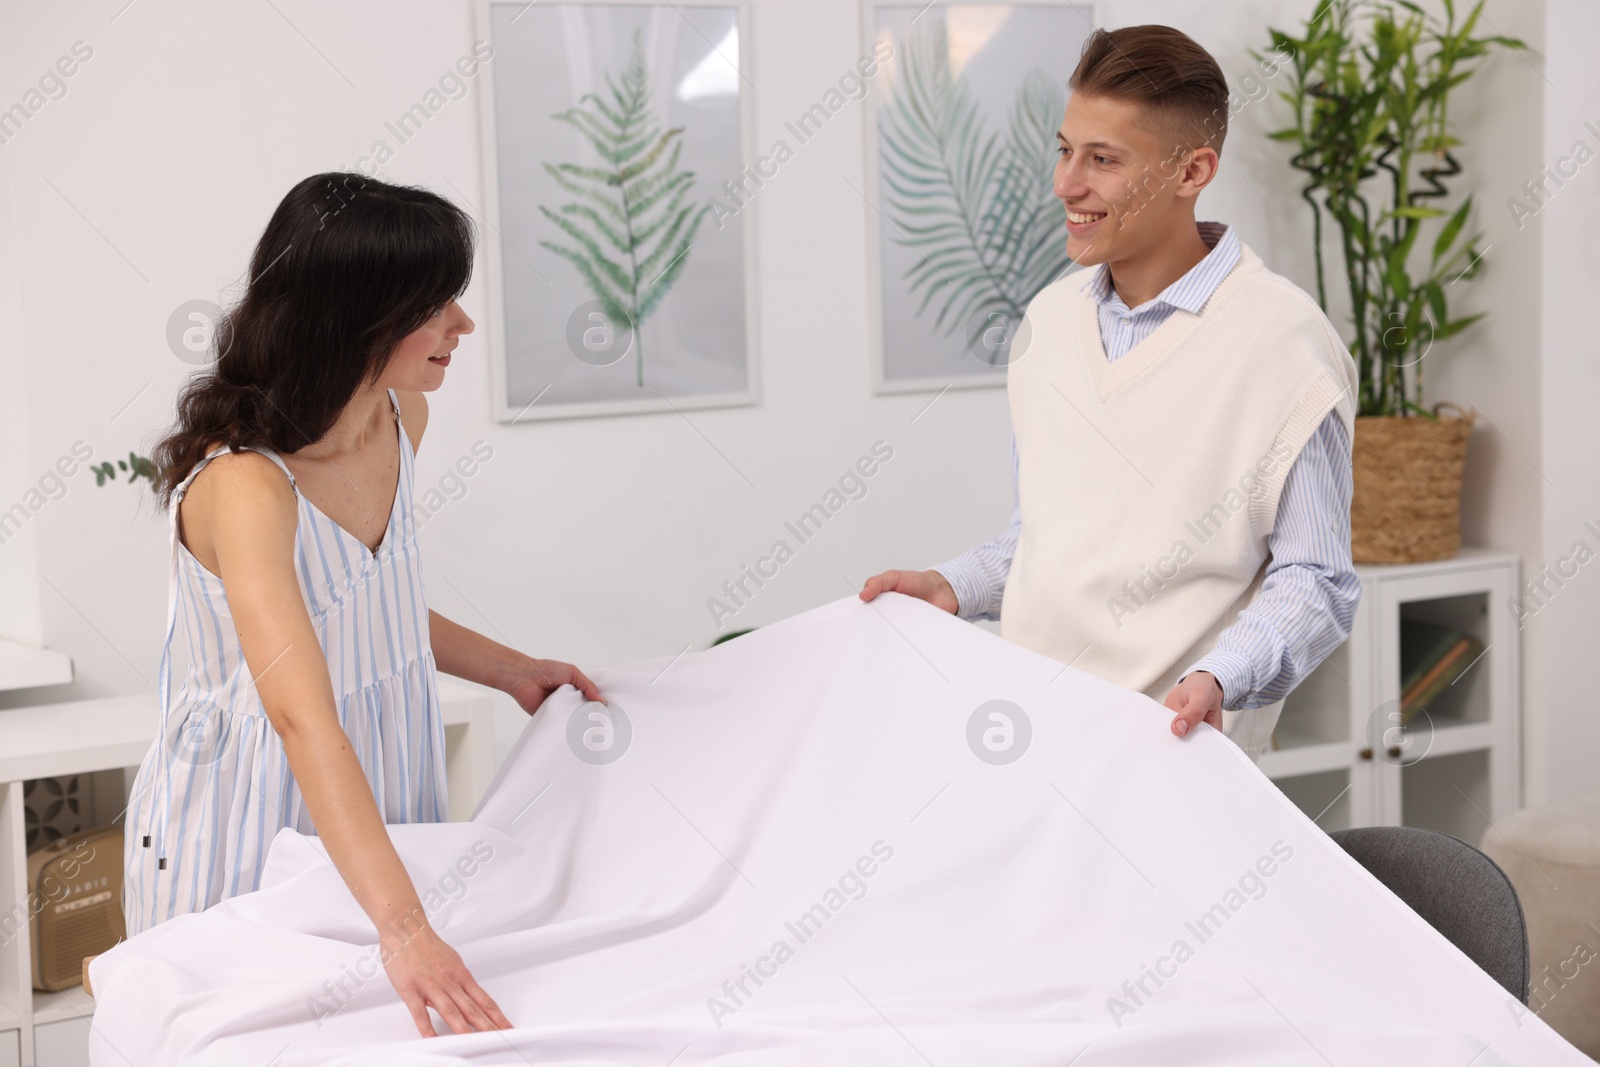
(1432, 657)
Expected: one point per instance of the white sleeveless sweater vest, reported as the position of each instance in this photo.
(1148, 485)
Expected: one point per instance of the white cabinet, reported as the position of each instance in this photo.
(63, 1042)
(24, 667)
(76, 737)
(1342, 754)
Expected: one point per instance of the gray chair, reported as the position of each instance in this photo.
(1459, 891)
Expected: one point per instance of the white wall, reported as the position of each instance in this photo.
(1488, 372)
(1562, 632)
(19, 562)
(594, 540)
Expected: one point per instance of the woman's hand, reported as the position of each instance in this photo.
(531, 680)
(470, 655)
(426, 973)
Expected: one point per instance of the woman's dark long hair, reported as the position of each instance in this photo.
(347, 267)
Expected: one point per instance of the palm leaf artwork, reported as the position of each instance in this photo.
(978, 209)
(630, 229)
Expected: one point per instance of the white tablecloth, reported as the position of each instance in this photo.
(812, 845)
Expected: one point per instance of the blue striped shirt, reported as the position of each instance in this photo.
(1308, 597)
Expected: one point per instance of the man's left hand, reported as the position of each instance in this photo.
(1197, 698)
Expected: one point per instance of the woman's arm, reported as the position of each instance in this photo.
(466, 654)
(248, 514)
(470, 655)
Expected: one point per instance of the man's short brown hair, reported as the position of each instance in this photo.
(1168, 73)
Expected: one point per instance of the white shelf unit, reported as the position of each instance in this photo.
(114, 733)
(1343, 756)
(25, 667)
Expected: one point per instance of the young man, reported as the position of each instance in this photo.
(1181, 422)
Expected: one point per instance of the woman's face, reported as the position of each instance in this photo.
(421, 357)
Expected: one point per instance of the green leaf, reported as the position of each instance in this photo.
(1434, 293)
(617, 272)
(1455, 326)
(1452, 230)
(617, 240)
(1414, 212)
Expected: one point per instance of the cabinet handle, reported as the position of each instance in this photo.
(1366, 753)
(1394, 751)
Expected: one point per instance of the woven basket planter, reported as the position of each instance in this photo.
(1406, 506)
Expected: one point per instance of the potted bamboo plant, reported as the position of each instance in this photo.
(1369, 83)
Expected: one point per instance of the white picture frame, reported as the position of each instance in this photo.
(907, 352)
(528, 380)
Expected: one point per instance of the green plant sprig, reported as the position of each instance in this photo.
(136, 465)
(636, 199)
(1370, 83)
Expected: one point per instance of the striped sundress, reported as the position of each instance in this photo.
(215, 787)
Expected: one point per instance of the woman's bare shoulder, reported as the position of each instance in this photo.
(234, 493)
(246, 466)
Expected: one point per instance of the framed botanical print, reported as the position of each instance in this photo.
(619, 280)
(965, 227)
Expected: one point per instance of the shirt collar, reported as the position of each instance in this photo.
(1194, 289)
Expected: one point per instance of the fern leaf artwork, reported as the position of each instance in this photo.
(628, 232)
(974, 206)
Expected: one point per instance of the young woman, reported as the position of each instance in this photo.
(310, 699)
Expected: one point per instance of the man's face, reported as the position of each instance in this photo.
(1123, 186)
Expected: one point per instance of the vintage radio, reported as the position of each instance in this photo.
(75, 904)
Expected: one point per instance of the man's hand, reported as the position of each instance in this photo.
(1196, 698)
(924, 585)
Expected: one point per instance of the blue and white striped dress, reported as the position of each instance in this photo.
(215, 787)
